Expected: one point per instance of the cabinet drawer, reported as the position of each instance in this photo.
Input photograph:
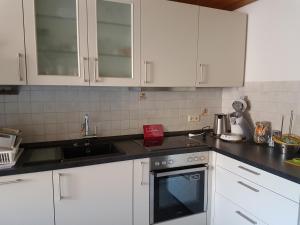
(277, 184)
(265, 204)
(226, 212)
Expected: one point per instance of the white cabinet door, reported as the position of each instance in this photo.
(100, 194)
(56, 42)
(141, 192)
(12, 50)
(27, 199)
(169, 33)
(227, 213)
(221, 48)
(114, 42)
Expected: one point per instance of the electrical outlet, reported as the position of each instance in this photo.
(193, 118)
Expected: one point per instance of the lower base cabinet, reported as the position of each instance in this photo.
(94, 195)
(228, 213)
(27, 199)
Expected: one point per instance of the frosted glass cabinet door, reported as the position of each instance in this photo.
(114, 42)
(56, 42)
(12, 50)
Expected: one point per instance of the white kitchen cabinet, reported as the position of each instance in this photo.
(263, 203)
(169, 33)
(56, 42)
(221, 48)
(100, 194)
(141, 192)
(273, 200)
(269, 181)
(12, 49)
(114, 42)
(228, 213)
(27, 199)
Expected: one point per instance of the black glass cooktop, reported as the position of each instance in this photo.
(170, 143)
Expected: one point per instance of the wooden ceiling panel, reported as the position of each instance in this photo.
(219, 4)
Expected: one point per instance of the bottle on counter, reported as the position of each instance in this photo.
(262, 133)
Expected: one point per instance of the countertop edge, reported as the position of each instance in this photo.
(259, 166)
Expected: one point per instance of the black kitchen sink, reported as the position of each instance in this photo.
(89, 148)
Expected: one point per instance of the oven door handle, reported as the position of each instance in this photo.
(178, 172)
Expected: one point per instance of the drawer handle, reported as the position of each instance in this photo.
(248, 186)
(245, 217)
(12, 182)
(248, 170)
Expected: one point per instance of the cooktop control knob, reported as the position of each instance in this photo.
(157, 163)
(202, 158)
(196, 158)
(190, 159)
(170, 162)
(164, 163)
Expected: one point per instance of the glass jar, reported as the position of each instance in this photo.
(262, 132)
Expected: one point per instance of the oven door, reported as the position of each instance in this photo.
(177, 193)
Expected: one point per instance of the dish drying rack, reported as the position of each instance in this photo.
(10, 150)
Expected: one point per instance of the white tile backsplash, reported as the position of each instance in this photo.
(268, 101)
(47, 113)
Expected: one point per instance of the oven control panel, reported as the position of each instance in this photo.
(179, 160)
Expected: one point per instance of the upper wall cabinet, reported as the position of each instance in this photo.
(12, 50)
(221, 48)
(114, 42)
(169, 33)
(56, 42)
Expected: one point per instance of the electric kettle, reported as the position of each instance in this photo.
(220, 124)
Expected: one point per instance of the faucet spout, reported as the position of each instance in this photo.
(86, 126)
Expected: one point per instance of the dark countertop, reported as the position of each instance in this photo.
(49, 155)
(260, 156)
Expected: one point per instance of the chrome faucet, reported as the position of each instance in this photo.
(85, 128)
(85, 125)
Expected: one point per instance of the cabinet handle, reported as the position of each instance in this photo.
(84, 60)
(59, 187)
(248, 170)
(142, 179)
(96, 72)
(201, 80)
(20, 57)
(201, 74)
(245, 217)
(146, 72)
(248, 186)
(12, 182)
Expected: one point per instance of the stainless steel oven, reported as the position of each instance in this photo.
(178, 186)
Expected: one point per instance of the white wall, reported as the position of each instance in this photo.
(273, 49)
